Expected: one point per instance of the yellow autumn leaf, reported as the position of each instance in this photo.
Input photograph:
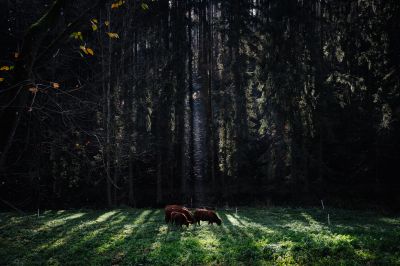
(90, 51)
(77, 35)
(4, 68)
(94, 24)
(117, 4)
(33, 90)
(1, 79)
(55, 85)
(144, 6)
(107, 23)
(113, 35)
(83, 48)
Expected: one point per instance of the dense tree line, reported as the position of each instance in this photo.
(298, 101)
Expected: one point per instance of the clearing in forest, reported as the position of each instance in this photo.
(253, 236)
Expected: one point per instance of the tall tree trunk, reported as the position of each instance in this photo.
(238, 70)
(107, 120)
(159, 178)
(186, 189)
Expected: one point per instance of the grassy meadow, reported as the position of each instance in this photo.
(252, 236)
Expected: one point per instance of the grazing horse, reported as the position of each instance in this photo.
(179, 218)
(206, 215)
(178, 208)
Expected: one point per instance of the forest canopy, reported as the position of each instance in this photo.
(149, 102)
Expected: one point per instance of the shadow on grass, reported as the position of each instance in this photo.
(303, 237)
(252, 236)
(65, 238)
(94, 241)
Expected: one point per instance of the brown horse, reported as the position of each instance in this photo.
(178, 208)
(206, 215)
(179, 218)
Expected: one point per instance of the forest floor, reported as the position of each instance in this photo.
(252, 236)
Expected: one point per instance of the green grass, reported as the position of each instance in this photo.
(253, 236)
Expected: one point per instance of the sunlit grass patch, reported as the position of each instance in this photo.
(105, 216)
(252, 236)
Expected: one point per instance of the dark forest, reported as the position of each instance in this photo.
(210, 102)
(205, 103)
